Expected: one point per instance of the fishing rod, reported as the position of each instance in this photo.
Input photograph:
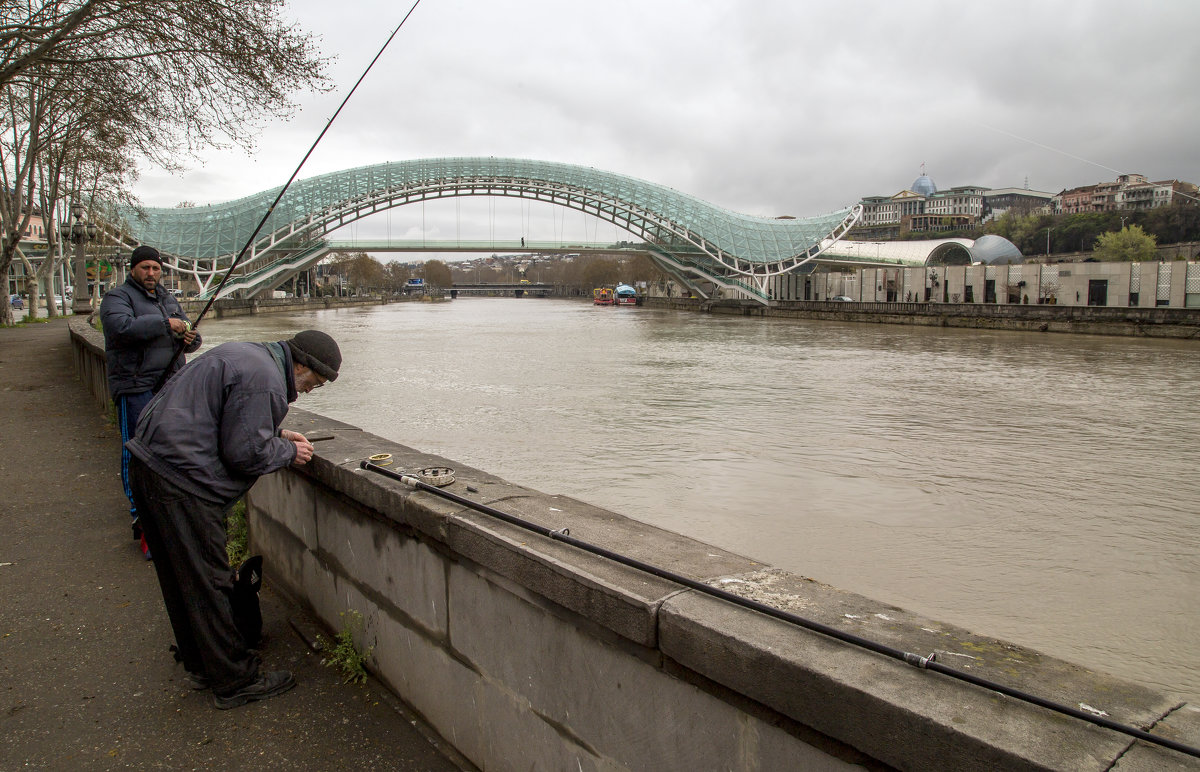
(916, 660)
(213, 298)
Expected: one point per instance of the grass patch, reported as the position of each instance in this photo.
(344, 654)
(27, 321)
(235, 533)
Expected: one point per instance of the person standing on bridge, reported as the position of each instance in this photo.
(142, 322)
(201, 443)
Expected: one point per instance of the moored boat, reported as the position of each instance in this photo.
(602, 296)
(626, 295)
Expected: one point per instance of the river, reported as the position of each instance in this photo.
(1034, 487)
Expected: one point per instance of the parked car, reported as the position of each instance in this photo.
(16, 301)
(842, 299)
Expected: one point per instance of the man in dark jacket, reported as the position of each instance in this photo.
(142, 324)
(200, 444)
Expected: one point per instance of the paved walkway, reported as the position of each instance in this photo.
(86, 680)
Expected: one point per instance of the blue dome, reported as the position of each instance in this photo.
(924, 186)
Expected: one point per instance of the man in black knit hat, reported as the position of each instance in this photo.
(142, 323)
(200, 444)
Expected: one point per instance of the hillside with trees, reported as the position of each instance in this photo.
(1041, 234)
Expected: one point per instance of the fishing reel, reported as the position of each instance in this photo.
(437, 476)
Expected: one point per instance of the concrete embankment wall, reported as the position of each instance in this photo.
(1090, 320)
(527, 653)
(228, 307)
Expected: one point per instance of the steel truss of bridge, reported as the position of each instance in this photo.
(505, 287)
(702, 245)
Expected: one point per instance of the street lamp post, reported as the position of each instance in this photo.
(80, 233)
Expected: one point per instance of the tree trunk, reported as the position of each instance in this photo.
(32, 289)
(6, 255)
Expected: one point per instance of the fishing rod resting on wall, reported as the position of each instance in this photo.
(916, 660)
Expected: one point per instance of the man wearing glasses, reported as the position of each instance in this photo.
(200, 444)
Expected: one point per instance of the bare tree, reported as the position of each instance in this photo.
(32, 32)
(136, 80)
(397, 275)
(437, 273)
(600, 271)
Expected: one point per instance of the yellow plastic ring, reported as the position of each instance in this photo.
(381, 459)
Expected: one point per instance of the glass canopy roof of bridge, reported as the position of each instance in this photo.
(648, 209)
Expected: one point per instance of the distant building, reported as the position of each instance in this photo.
(924, 208)
(1020, 201)
(932, 223)
(963, 200)
(921, 208)
(1128, 191)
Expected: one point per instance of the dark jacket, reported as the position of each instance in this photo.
(138, 343)
(213, 429)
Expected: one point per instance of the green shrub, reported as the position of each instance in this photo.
(235, 533)
(344, 653)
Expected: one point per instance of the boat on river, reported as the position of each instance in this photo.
(626, 295)
(602, 296)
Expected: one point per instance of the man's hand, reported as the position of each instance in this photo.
(304, 452)
(182, 330)
(304, 448)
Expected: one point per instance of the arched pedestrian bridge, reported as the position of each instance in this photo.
(699, 243)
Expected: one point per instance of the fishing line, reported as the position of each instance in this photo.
(212, 298)
(1070, 155)
(916, 660)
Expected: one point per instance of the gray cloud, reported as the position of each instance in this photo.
(770, 107)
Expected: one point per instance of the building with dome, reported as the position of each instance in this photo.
(923, 208)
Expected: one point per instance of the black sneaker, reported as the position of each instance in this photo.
(197, 681)
(268, 685)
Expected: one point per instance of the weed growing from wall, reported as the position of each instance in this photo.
(344, 653)
(235, 533)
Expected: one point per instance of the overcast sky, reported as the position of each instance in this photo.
(763, 107)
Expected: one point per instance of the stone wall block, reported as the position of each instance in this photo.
(375, 554)
(292, 503)
(573, 679)
(283, 552)
(904, 716)
(611, 595)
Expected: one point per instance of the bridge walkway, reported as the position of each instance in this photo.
(88, 680)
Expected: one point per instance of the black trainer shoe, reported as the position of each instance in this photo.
(267, 685)
(197, 681)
